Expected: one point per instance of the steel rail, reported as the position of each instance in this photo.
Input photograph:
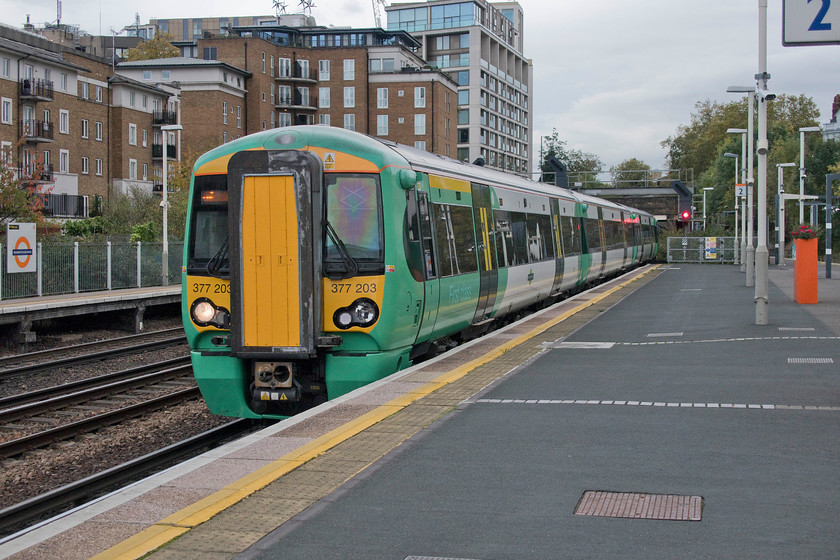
(46, 361)
(87, 489)
(46, 437)
(54, 393)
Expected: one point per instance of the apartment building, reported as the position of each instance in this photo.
(71, 125)
(480, 43)
(367, 80)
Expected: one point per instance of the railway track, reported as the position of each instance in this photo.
(87, 405)
(67, 356)
(17, 516)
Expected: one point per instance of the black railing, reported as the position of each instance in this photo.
(165, 117)
(157, 151)
(36, 88)
(65, 206)
(297, 100)
(39, 172)
(36, 130)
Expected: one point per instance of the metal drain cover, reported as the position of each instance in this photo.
(632, 505)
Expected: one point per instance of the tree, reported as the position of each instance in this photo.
(159, 46)
(630, 173)
(21, 196)
(583, 165)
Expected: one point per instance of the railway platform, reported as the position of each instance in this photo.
(646, 418)
(23, 314)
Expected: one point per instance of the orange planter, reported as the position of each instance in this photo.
(805, 286)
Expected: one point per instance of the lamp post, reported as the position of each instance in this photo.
(704, 204)
(750, 254)
(737, 159)
(165, 130)
(762, 147)
(780, 213)
(802, 131)
(743, 201)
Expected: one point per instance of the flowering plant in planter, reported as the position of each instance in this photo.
(805, 232)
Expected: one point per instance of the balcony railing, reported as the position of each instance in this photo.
(157, 151)
(36, 131)
(297, 100)
(65, 206)
(165, 117)
(36, 89)
(40, 173)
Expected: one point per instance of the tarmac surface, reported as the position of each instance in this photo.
(657, 388)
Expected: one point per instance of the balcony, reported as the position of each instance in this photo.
(37, 173)
(165, 117)
(299, 74)
(157, 151)
(35, 90)
(36, 131)
(65, 206)
(297, 101)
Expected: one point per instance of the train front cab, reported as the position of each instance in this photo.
(289, 298)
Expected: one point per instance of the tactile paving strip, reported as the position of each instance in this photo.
(632, 505)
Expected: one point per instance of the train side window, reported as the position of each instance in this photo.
(540, 246)
(504, 238)
(426, 234)
(445, 238)
(519, 229)
(593, 235)
(462, 227)
(571, 235)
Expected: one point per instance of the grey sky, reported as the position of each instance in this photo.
(614, 77)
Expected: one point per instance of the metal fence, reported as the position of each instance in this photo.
(90, 267)
(701, 249)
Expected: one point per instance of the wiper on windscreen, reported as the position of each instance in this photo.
(349, 262)
(214, 265)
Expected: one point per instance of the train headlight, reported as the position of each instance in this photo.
(361, 313)
(205, 313)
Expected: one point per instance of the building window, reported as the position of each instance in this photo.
(239, 116)
(322, 119)
(63, 82)
(382, 125)
(145, 137)
(164, 74)
(381, 98)
(324, 98)
(132, 169)
(85, 128)
(420, 144)
(419, 97)
(7, 68)
(64, 161)
(85, 166)
(6, 111)
(224, 112)
(349, 97)
(284, 67)
(98, 166)
(349, 69)
(99, 94)
(209, 53)
(419, 125)
(271, 67)
(145, 171)
(6, 152)
(263, 63)
(132, 98)
(99, 131)
(84, 86)
(132, 134)
(64, 121)
(350, 121)
(145, 102)
(323, 70)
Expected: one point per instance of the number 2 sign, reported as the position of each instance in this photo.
(810, 22)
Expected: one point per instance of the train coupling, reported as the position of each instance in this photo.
(275, 382)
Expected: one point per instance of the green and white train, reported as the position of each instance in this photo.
(318, 260)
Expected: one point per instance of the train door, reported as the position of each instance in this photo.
(559, 253)
(274, 294)
(485, 251)
(427, 309)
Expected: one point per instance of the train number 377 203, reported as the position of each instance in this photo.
(206, 288)
(353, 288)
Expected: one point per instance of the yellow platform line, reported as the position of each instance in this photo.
(183, 520)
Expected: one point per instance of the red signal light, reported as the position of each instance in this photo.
(686, 215)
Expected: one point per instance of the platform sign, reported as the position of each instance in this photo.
(711, 248)
(20, 247)
(740, 190)
(810, 22)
